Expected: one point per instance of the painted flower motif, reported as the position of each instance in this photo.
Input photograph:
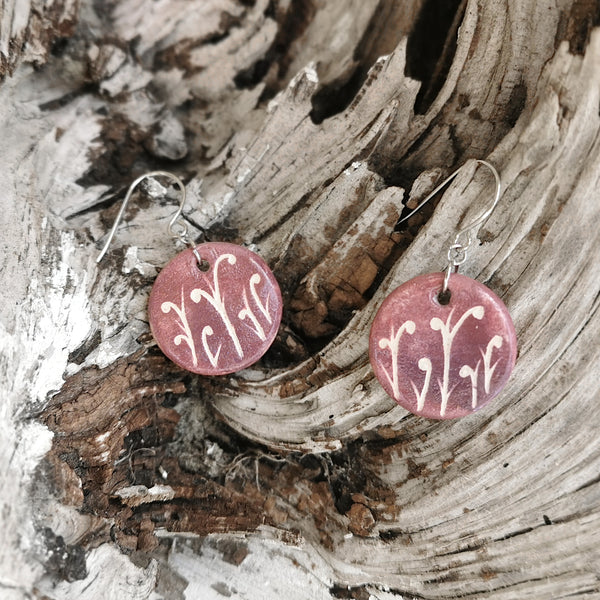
(455, 358)
(218, 321)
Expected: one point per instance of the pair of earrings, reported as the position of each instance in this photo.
(442, 345)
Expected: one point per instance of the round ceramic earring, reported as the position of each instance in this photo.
(443, 345)
(216, 307)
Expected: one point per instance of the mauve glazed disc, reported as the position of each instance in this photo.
(216, 321)
(442, 361)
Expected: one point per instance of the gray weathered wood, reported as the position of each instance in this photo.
(122, 476)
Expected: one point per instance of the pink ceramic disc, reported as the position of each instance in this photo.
(218, 321)
(442, 361)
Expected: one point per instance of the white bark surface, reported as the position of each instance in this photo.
(120, 475)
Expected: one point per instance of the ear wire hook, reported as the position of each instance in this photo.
(179, 235)
(457, 253)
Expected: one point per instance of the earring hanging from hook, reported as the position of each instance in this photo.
(176, 221)
(216, 307)
(442, 344)
(457, 253)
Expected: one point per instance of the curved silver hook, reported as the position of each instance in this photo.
(448, 179)
(181, 234)
(457, 253)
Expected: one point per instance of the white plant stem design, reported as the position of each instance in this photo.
(186, 336)
(218, 303)
(467, 371)
(264, 308)
(448, 335)
(488, 369)
(247, 312)
(424, 365)
(393, 343)
(213, 358)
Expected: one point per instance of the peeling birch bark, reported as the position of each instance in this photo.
(302, 129)
(29, 31)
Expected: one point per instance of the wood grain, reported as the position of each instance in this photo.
(302, 129)
(29, 31)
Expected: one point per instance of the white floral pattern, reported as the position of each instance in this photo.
(186, 336)
(448, 332)
(255, 314)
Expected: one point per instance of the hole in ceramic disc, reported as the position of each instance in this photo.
(203, 265)
(444, 297)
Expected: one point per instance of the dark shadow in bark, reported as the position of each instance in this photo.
(292, 23)
(431, 47)
(382, 35)
(576, 25)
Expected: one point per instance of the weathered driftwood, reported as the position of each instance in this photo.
(310, 124)
(29, 31)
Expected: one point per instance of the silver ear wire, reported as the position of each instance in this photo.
(179, 234)
(457, 253)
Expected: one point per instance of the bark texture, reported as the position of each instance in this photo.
(302, 129)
